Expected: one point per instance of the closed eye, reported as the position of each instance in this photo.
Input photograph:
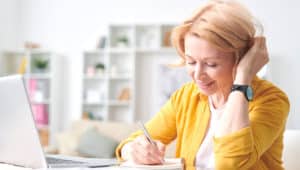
(211, 64)
(190, 62)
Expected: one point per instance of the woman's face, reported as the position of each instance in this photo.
(210, 68)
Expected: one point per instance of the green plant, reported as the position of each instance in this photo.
(123, 39)
(40, 63)
(100, 66)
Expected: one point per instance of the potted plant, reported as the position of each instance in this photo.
(99, 67)
(122, 41)
(40, 64)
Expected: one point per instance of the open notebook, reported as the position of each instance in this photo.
(170, 163)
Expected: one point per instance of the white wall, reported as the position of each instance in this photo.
(8, 23)
(70, 26)
(280, 19)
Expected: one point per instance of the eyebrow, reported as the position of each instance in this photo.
(205, 58)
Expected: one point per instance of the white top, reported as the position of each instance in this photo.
(205, 155)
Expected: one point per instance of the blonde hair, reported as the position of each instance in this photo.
(226, 24)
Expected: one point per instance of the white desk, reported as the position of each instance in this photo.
(10, 167)
(171, 164)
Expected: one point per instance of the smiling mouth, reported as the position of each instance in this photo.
(204, 85)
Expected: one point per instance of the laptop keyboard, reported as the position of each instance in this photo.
(51, 160)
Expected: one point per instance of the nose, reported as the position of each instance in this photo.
(199, 71)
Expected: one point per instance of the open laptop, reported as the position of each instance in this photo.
(19, 140)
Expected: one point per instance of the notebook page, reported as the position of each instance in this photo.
(170, 163)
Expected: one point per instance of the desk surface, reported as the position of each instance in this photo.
(10, 167)
(170, 165)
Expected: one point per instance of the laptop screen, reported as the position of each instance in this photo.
(19, 141)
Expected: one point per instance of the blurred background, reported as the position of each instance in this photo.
(105, 61)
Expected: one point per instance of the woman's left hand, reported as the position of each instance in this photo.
(256, 57)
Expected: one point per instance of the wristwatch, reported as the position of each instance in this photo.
(245, 89)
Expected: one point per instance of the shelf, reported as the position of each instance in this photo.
(96, 52)
(40, 102)
(118, 103)
(148, 36)
(18, 52)
(131, 53)
(37, 67)
(121, 36)
(42, 127)
(40, 52)
(120, 77)
(87, 77)
(117, 50)
(162, 50)
(93, 103)
(38, 76)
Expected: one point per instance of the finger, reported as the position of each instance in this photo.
(143, 139)
(149, 150)
(139, 158)
(161, 147)
(147, 157)
(261, 41)
(143, 156)
(144, 142)
(263, 48)
(264, 44)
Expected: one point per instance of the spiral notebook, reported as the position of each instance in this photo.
(170, 163)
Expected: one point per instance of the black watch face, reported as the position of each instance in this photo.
(249, 93)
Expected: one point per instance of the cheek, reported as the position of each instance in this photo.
(223, 75)
(190, 71)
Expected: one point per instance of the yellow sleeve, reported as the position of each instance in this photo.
(242, 149)
(161, 127)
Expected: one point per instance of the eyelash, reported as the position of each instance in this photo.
(209, 65)
(191, 63)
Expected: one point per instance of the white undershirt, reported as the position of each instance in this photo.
(205, 155)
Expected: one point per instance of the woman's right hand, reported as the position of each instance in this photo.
(255, 58)
(141, 151)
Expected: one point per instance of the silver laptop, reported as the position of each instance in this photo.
(19, 141)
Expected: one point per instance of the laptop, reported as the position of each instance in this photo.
(19, 140)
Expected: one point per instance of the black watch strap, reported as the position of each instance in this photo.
(245, 89)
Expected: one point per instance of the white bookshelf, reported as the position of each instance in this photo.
(37, 67)
(130, 56)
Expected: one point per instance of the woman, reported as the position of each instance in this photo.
(227, 118)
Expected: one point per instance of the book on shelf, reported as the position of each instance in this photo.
(40, 114)
(23, 64)
(169, 164)
(40, 111)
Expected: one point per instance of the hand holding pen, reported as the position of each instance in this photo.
(147, 135)
(144, 150)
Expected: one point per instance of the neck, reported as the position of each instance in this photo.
(219, 99)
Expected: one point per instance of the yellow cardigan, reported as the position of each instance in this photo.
(186, 116)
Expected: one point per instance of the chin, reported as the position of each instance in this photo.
(206, 92)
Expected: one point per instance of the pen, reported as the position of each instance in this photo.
(146, 133)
